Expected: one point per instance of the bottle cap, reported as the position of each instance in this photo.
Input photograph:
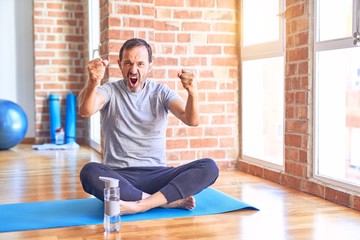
(60, 129)
(110, 182)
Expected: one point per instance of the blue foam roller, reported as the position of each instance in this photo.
(55, 117)
(70, 118)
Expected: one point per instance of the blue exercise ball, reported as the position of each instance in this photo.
(13, 124)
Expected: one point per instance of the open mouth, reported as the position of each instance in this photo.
(133, 80)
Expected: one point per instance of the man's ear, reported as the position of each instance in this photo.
(150, 66)
(119, 64)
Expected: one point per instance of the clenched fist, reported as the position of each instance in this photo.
(96, 69)
(187, 78)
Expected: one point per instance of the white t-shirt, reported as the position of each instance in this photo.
(134, 124)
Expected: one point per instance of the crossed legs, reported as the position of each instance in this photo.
(143, 188)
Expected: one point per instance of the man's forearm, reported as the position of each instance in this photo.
(87, 100)
(192, 110)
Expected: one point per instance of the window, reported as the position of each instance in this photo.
(94, 43)
(262, 58)
(337, 98)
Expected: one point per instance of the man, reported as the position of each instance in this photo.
(134, 120)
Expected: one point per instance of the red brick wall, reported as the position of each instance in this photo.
(201, 35)
(184, 34)
(58, 51)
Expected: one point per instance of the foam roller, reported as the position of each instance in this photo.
(55, 117)
(70, 118)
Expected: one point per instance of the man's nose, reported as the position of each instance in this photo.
(133, 69)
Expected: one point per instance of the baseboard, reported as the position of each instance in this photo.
(28, 140)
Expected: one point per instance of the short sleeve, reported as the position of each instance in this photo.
(169, 96)
(106, 90)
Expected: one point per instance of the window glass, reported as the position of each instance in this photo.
(260, 21)
(263, 109)
(338, 114)
(334, 19)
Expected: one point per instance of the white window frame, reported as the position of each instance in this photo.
(340, 43)
(269, 49)
(94, 42)
(261, 51)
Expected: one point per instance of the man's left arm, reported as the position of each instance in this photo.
(187, 112)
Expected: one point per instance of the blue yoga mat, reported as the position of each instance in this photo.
(78, 212)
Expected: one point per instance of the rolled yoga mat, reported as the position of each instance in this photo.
(78, 212)
(55, 116)
(70, 118)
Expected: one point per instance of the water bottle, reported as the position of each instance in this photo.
(111, 205)
(59, 136)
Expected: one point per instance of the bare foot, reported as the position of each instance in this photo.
(185, 203)
(129, 207)
(149, 203)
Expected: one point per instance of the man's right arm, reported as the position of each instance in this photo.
(91, 101)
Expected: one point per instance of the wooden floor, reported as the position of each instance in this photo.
(29, 175)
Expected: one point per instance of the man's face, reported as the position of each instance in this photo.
(135, 67)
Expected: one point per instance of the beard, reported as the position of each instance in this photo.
(135, 82)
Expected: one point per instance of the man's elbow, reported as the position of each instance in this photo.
(84, 113)
(193, 123)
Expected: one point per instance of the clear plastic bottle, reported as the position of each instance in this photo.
(59, 136)
(112, 218)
